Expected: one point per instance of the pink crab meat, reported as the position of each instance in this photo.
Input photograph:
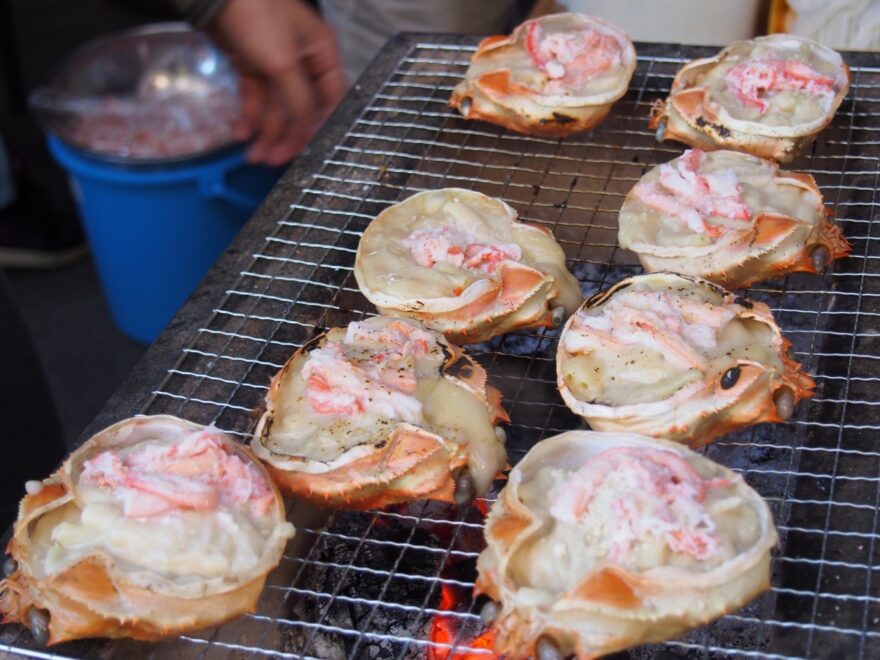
(487, 257)
(590, 333)
(399, 337)
(673, 326)
(196, 474)
(432, 246)
(450, 245)
(571, 58)
(754, 80)
(685, 193)
(381, 383)
(657, 493)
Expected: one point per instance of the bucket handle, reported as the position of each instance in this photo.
(214, 186)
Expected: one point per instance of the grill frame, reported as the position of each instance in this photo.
(228, 349)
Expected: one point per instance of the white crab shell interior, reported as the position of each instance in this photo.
(440, 251)
(780, 85)
(565, 60)
(335, 401)
(607, 540)
(658, 338)
(699, 208)
(171, 506)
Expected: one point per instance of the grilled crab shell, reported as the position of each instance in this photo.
(611, 607)
(493, 89)
(691, 115)
(699, 412)
(537, 291)
(775, 244)
(96, 596)
(401, 462)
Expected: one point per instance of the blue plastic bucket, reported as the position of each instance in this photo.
(156, 230)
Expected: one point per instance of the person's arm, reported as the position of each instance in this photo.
(291, 74)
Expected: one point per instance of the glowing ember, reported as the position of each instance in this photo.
(445, 630)
(481, 505)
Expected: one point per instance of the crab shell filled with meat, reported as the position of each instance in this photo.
(676, 357)
(554, 75)
(153, 528)
(460, 262)
(769, 97)
(380, 412)
(603, 541)
(729, 217)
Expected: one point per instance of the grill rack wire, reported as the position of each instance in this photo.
(368, 585)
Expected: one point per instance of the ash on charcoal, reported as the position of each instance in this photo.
(376, 574)
(595, 276)
(527, 342)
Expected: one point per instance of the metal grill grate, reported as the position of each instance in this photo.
(397, 584)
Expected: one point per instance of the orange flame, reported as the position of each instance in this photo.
(443, 629)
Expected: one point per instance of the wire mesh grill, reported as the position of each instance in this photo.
(397, 583)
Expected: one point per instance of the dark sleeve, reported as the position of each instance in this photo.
(199, 13)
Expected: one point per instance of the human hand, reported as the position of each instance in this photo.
(291, 75)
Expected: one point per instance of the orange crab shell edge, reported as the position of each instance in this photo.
(410, 464)
(769, 230)
(753, 407)
(689, 120)
(511, 296)
(485, 93)
(91, 598)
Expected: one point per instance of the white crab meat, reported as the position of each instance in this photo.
(676, 357)
(171, 506)
(381, 411)
(154, 527)
(554, 75)
(729, 217)
(603, 541)
(769, 96)
(461, 263)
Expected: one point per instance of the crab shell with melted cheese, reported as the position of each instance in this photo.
(400, 462)
(537, 291)
(775, 244)
(691, 115)
(492, 89)
(695, 415)
(98, 596)
(611, 607)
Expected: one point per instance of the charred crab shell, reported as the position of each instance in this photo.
(702, 410)
(534, 292)
(611, 607)
(95, 596)
(491, 91)
(400, 463)
(775, 244)
(691, 115)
